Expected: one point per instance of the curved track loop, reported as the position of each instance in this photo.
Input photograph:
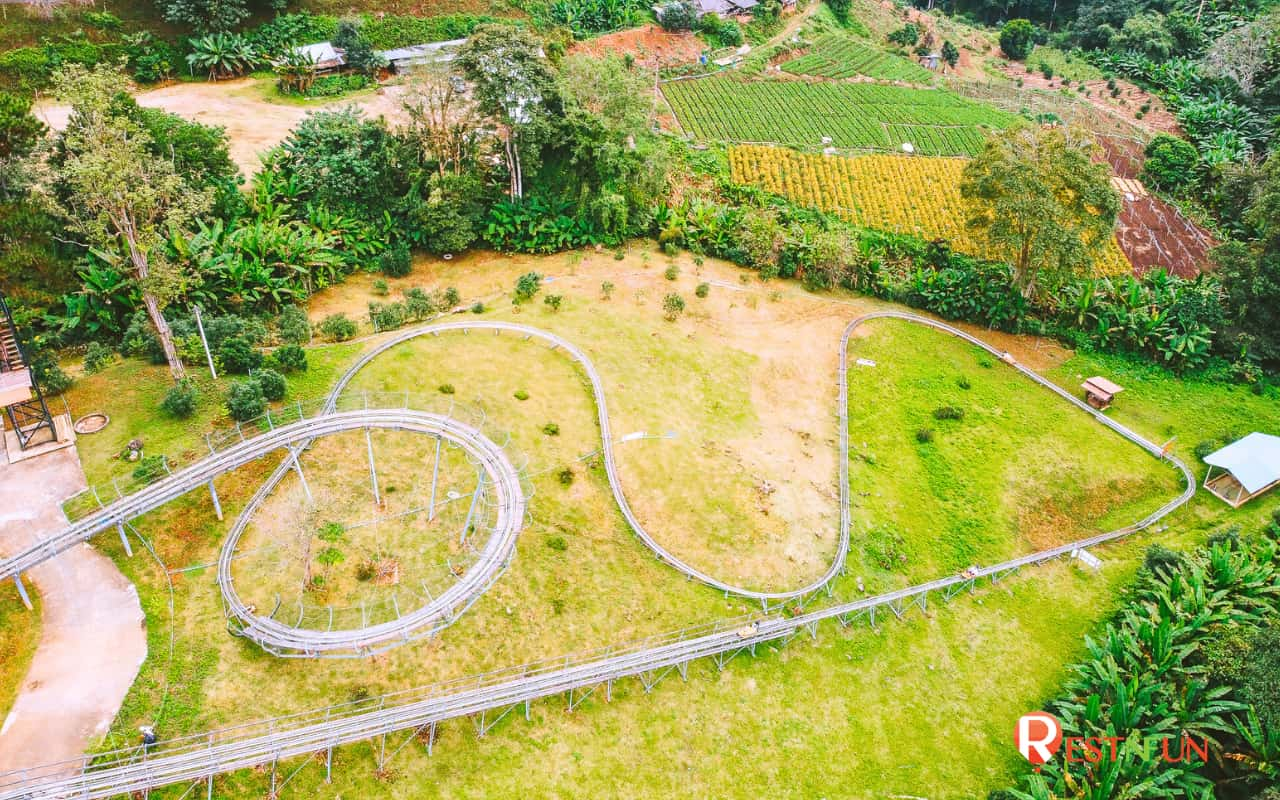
(201, 756)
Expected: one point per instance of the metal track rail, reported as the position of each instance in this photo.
(202, 756)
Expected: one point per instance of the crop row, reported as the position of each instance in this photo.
(841, 57)
(850, 115)
(905, 194)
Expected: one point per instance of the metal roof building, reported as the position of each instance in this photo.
(1249, 467)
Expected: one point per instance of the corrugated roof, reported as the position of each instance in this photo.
(422, 51)
(321, 52)
(1253, 460)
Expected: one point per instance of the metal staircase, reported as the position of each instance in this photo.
(20, 393)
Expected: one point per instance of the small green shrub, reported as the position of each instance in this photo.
(672, 272)
(387, 316)
(924, 435)
(446, 388)
(606, 290)
(565, 476)
(331, 532)
(521, 395)
(948, 412)
(551, 429)
(527, 285)
(97, 357)
(703, 290)
(238, 355)
(337, 328)
(1161, 559)
(272, 383)
(380, 288)
(245, 401)
(366, 571)
(289, 358)
(557, 543)
(478, 308)
(396, 261)
(293, 325)
(1204, 448)
(452, 297)
(963, 383)
(618, 255)
(985, 361)
(180, 401)
(150, 469)
(672, 306)
(553, 301)
(330, 556)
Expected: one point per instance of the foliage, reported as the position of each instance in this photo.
(677, 15)
(20, 131)
(271, 383)
(527, 285)
(97, 357)
(838, 56)
(907, 35)
(337, 328)
(181, 399)
(356, 48)
(395, 261)
(672, 306)
(209, 16)
(553, 301)
(239, 356)
(839, 8)
(151, 58)
(1251, 275)
(1042, 198)
(950, 55)
(702, 290)
(588, 17)
(1169, 163)
(551, 429)
(289, 358)
(293, 325)
(1016, 39)
(245, 400)
(150, 469)
(223, 55)
(388, 316)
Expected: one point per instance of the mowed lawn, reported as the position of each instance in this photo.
(1020, 470)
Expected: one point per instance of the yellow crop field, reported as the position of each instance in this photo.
(918, 195)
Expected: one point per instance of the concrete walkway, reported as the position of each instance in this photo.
(92, 641)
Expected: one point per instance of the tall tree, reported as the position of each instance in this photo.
(515, 86)
(1042, 198)
(120, 198)
(20, 132)
(443, 122)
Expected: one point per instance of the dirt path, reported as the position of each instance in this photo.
(254, 123)
(92, 641)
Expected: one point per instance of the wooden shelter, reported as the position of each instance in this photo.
(1100, 392)
(1249, 467)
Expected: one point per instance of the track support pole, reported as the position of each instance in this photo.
(466, 526)
(328, 765)
(217, 505)
(124, 540)
(297, 466)
(22, 590)
(435, 475)
(373, 470)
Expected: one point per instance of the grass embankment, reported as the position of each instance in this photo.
(19, 635)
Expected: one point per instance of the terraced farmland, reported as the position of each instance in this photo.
(907, 194)
(855, 116)
(841, 57)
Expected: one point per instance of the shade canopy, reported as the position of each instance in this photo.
(1254, 461)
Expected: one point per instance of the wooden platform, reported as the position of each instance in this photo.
(66, 438)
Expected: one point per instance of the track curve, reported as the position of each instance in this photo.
(202, 756)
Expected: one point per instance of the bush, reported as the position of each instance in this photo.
(551, 429)
(948, 412)
(565, 476)
(553, 301)
(1161, 558)
(606, 290)
(1016, 38)
(51, 377)
(963, 383)
(527, 286)
(557, 543)
(907, 35)
(290, 358)
(239, 356)
(418, 304)
(245, 401)
(380, 288)
(150, 469)
(97, 357)
(478, 308)
(293, 325)
(446, 388)
(672, 306)
(180, 401)
(337, 328)
(703, 290)
(271, 383)
(672, 272)
(396, 261)
(677, 15)
(1170, 162)
(924, 436)
(387, 316)
(1205, 447)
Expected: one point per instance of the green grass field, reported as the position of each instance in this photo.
(835, 56)
(851, 115)
(19, 633)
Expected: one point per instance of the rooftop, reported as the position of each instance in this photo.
(1254, 461)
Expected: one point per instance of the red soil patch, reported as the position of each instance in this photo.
(1124, 155)
(1154, 234)
(1157, 117)
(650, 45)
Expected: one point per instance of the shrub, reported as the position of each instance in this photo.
(337, 328)
(677, 15)
(245, 401)
(963, 383)
(418, 304)
(703, 290)
(293, 325)
(1160, 558)
(672, 272)
(606, 290)
(271, 383)
(331, 532)
(98, 357)
(551, 429)
(948, 412)
(150, 469)
(924, 435)
(527, 285)
(51, 377)
(380, 288)
(330, 556)
(478, 308)
(565, 476)
(446, 388)
(521, 395)
(907, 35)
(557, 543)
(1017, 38)
(452, 297)
(366, 571)
(1046, 70)
(1204, 448)
(395, 261)
(290, 358)
(1170, 162)
(553, 301)
(672, 306)
(180, 401)
(239, 356)
(387, 316)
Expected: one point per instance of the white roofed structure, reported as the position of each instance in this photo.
(1249, 467)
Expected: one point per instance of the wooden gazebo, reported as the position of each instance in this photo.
(1100, 392)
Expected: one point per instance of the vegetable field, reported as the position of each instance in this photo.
(842, 57)
(906, 194)
(853, 115)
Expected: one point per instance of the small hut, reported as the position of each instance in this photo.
(324, 55)
(1249, 467)
(1100, 392)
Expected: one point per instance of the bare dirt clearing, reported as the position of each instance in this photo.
(255, 120)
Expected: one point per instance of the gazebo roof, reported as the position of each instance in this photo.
(1254, 461)
(1102, 384)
